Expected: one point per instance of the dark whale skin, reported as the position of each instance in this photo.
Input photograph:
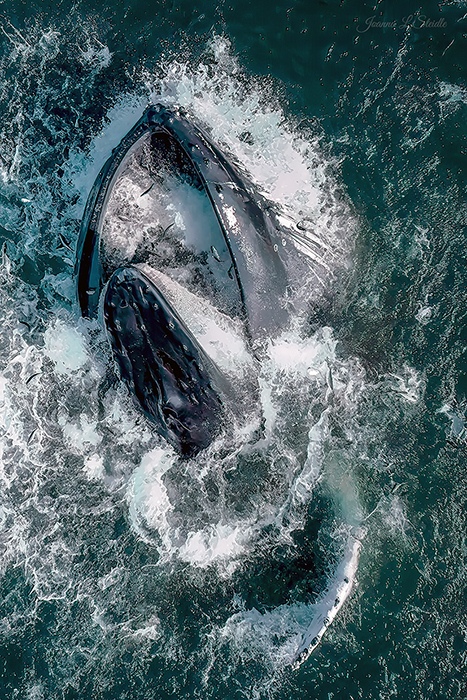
(165, 369)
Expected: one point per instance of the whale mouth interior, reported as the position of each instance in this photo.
(158, 213)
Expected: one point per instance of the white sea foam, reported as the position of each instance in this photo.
(94, 467)
(424, 314)
(408, 385)
(149, 501)
(452, 94)
(65, 346)
(456, 414)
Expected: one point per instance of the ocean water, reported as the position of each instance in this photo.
(124, 574)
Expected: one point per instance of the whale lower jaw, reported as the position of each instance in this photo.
(164, 367)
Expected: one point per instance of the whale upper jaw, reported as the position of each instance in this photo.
(250, 253)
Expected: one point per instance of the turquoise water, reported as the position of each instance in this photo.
(125, 577)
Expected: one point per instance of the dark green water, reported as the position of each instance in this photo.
(102, 594)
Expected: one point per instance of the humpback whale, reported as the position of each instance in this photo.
(239, 263)
(174, 233)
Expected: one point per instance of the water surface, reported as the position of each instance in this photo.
(123, 576)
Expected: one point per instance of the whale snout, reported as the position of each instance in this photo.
(162, 364)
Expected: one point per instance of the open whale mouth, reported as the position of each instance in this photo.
(168, 200)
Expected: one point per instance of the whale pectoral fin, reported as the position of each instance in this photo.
(161, 362)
